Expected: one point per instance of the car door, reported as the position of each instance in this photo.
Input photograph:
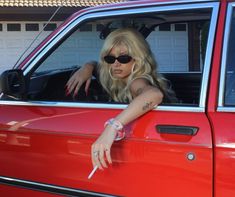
(45, 140)
(222, 107)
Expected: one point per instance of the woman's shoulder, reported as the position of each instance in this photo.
(140, 81)
(138, 85)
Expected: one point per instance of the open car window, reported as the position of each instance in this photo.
(178, 41)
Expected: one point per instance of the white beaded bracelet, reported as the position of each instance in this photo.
(117, 126)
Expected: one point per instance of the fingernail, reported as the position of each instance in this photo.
(100, 168)
(75, 94)
(67, 92)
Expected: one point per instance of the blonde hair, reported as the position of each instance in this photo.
(145, 65)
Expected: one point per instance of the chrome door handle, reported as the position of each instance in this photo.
(175, 129)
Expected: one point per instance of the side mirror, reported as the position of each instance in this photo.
(12, 84)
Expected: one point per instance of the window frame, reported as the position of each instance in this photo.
(14, 27)
(148, 8)
(221, 107)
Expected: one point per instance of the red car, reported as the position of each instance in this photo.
(182, 149)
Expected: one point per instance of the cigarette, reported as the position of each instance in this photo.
(92, 172)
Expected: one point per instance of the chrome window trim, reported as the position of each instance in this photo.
(221, 106)
(208, 57)
(56, 38)
(226, 109)
(161, 3)
(98, 105)
(48, 188)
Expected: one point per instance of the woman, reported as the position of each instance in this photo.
(127, 71)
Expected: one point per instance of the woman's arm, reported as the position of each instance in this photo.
(81, 76)
(146, 97)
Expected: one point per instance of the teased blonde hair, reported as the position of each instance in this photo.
(145, 64)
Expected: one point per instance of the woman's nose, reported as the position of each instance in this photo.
(116, 63)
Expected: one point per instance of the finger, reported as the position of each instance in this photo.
(97, 161)
(93, 151)
(88, 82)
(74, 79)
(95, 157)
(70, 81)
(108, 155)
(71, 86)
(76, 89)
(67, 88)
(101, 158)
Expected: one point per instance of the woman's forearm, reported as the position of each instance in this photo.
(143, 103)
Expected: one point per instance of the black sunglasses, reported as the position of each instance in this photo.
(123, 59)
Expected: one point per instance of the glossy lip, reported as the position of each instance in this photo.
(117, 71)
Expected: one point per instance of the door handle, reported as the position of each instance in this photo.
(175, 129)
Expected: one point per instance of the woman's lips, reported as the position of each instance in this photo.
(117, 71)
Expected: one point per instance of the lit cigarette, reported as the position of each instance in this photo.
(92, 172)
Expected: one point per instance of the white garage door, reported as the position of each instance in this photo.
(168, 43)
(15, 37)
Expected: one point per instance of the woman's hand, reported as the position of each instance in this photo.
(82, 75)
(146, 97)
(101, 148)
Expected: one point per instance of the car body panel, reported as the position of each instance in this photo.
(221, 118)
(12, 191)
(64, 156)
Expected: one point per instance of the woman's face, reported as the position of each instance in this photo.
(121, 70)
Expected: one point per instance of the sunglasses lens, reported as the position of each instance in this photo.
(109, 59)
(124, 59)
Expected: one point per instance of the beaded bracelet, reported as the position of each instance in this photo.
(117, 126)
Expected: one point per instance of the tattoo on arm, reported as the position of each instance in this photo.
(147, 106)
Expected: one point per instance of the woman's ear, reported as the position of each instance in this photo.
(133, 67)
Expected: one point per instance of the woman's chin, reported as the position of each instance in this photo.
(117, 76)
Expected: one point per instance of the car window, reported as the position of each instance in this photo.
(178, 40)
(229, 93)
(82, 45)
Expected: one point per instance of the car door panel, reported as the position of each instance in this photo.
(221, 104)
(56, 141)
(9, 191)
(224, 153)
